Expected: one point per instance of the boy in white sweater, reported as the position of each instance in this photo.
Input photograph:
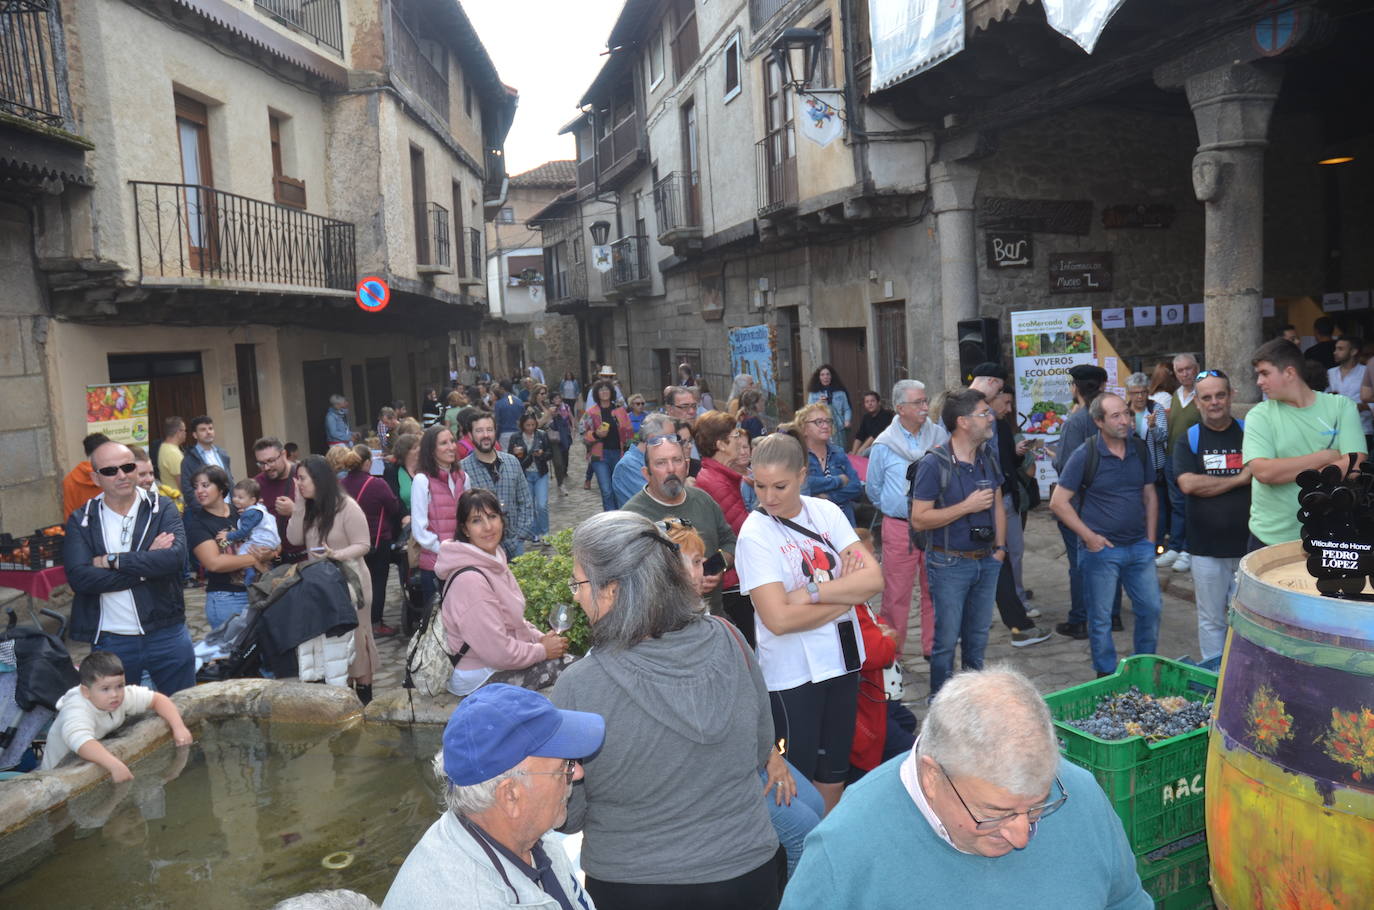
(99, 706)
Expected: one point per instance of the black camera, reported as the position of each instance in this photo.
(982, 533)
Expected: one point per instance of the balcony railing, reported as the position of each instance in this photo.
(472, 246)
(622, 146)
(318, 19)
(775, 171)
(760, 11)
(29, 70)
(440, 246)
(586, 173)
(677, 204)
(416, 70)
(568, 284)
(629, 265)
(190, 231)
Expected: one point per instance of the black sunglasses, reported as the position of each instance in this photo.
(112, 470)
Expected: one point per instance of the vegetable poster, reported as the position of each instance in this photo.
(1046, 345)
(119, 411)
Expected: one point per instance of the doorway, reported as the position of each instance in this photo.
(663, 369)
(849, 356)
(322, 379)
(890, 320)
(250, 402)
(176, 385)
(378, 386)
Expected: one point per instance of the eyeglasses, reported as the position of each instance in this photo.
(985, 415)
(673, 523)
(112, 470)
(568, 771)
(1212, 374)
(821, 421)
(575, 584)
(1033, 814)
(666, 437)
(267, 463)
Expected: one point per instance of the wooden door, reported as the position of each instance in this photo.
(197, 200)
(691, 156)
(250, 402)
(357, 400)
(890, 319)
(378, 386)
(849, 357)
(322, 378)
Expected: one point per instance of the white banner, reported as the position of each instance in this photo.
(1081, 21)
(910, 36)
(601, 257)
(1046, 344)
(821, 122)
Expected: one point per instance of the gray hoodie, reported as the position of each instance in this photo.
(674, 795)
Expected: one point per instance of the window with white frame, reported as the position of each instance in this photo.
(656, 56)
(733, 65)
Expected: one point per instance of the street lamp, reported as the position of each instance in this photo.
(796, 52)
(600, 231)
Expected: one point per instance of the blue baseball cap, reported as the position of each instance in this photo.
(499, 726)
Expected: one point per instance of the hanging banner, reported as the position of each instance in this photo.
(601, 257)
(822, 124)
(752, 352)
(119, 411)
(911, 36)
(1081, 21)
(1046, 344)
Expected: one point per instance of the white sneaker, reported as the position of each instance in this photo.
(1183, 563)
(1166, 559)
(1032, 613)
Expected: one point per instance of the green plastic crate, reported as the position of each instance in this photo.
(1156, 788)
(1178, 881)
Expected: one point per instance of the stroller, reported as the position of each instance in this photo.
(295, 612)
(35, 671)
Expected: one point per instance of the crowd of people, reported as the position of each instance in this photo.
(741, 617)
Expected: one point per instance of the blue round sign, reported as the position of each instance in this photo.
(373, 295)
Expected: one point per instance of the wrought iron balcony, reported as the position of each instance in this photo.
(318, 19)
(629, 272)
(416, 70)
(566, 285)
(31, 72)
(775, 171)
(186, 231)
(439, 249)
(677, 205)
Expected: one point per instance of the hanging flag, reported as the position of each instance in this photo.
(1081, 21)
(601, 257)
(822, 124)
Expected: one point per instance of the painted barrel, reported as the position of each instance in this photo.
(1290, 762)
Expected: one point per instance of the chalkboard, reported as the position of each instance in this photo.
(1080, 273)
(1009, 250)
(1045, 216)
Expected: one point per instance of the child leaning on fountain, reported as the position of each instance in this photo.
(97, 707)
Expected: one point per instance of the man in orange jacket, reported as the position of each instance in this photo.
(78, 487)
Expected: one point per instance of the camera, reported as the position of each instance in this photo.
(982, 533)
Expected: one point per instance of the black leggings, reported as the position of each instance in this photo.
(378, 564)
(760, 889)
(817, 721)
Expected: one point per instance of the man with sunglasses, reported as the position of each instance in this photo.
(984, 782)
(124, 552)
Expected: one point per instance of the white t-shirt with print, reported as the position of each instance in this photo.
(768, 551)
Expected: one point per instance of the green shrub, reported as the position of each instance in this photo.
(543, 579)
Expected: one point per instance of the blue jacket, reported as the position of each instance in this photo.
(839, 410)
(627, 478)
(191, 465)
(508, 410)
(836, 480)
(154, 576)
(336, 427)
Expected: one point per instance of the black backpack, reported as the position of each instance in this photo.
(921, 539)
(1094, 458)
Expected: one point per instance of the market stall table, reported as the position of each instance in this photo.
(39, 584)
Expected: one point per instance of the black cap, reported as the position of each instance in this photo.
(1088, 372)
(991, 370)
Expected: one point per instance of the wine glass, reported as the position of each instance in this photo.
(561, 618)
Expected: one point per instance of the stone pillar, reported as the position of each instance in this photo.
(1231, 105)
(952, 185)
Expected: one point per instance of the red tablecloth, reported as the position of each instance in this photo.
(36, 584)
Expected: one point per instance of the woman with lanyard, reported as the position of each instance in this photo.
(802, 564)
(434, 501)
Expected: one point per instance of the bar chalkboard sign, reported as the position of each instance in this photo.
(1080, 273)
(1009, 250)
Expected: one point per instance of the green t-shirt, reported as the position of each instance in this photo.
(1277, 430)
(705, 517)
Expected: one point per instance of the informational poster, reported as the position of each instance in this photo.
(1046, 344)
(1114, 318)
(1357, 300)
(1197, 312)
(1144, 315)
(752, 352)
(120, 411)
(1171, 314)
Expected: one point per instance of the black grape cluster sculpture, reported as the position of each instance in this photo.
(1336, 509)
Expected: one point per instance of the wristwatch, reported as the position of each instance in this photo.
(114, 561)
(814, 590)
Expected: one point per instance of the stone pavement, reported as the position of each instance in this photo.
(1054, 664)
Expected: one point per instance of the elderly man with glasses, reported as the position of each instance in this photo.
(509, 763)
(124, 552)
(983, 812)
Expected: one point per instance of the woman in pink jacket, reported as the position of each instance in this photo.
(484, 609)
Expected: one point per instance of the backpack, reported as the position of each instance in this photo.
(428, 663)
(1094, 458)
(921, 539)
(1193, 434)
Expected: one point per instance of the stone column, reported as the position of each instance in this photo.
(1231, 105)
(952, 185)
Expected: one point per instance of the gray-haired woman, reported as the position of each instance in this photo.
(670, 806)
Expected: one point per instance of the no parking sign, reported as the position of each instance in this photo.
(372, 294)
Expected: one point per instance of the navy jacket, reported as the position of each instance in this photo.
(154, 576)
(191, 465)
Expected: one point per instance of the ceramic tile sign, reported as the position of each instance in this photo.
(1143, 316)
(1171, 314)
(1080, 273)
(1197, 312)
(1009, 250)
(1114, 318)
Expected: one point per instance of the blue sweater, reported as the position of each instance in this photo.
(876, 850)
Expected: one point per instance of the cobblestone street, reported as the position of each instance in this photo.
(1053, 664)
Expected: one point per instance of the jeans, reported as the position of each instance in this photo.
(903, 566)
(1214, 584)
(964, 591)
(165, 654)
(1016, 544)
(1131, 566)
(1077, 611)
(539, 490)
(793, 822)
(603, 467)
(1162, 523)
(1178, 510)
(222, 606)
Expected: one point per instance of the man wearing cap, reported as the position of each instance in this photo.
(508, 766)
(607, 374)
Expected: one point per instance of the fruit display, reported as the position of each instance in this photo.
(1078, 343)
(40, 550)
(1046, 417)
(1135, 713)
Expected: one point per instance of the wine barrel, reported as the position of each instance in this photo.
(1290, 762)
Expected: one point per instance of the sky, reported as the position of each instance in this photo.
(550, 51)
